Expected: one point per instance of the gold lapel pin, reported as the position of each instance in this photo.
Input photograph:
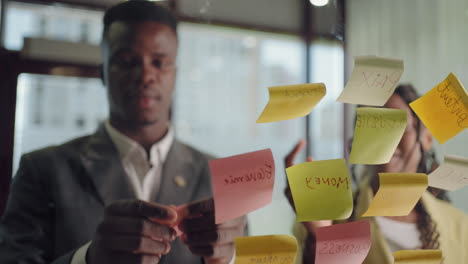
(180, 181)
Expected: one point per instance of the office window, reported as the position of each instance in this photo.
(51, 110)
(224, 75)
(326, 124)
(54, 22)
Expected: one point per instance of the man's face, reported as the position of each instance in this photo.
(139, 71)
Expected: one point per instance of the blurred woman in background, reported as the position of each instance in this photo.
(432, 224)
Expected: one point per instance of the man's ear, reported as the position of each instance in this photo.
(426, 139)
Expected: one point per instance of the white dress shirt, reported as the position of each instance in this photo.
(144, 172)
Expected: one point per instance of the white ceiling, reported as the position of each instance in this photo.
(103, 3)
(278, 15)
(283, 15)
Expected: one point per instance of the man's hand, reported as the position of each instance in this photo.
(214, 242)
(133, 231)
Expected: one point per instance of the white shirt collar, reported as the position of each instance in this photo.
(128, 147)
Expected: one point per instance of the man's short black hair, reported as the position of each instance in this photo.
(136, 11)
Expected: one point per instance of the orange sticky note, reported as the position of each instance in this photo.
(398, 194)
(179, 209)
(180, 217)
(343, 243)
(444, 109)
(242, 183)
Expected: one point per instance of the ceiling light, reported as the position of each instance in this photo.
(319, 2)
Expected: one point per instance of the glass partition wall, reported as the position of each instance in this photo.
(224, 73)
(223, 76)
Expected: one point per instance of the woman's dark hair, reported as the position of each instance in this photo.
(429, 235)
(428, 162)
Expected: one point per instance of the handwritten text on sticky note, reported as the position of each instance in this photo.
(423, 256)
(444, 109)
(272, 249)
(343, 243)
(377, 134)
(373, 81)
(291, 101)
(242, 183)
(451, 175)
(321, 190)
(398, 194)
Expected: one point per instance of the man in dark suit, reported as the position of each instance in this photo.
(106, 198)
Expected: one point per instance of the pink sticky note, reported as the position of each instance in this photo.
(343, 243)
(242, 183)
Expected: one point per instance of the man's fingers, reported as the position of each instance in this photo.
(207, 239)
(213, 252)
(207, 222)
(289, 160)
(131, 225)
(310, 159)
(134, 244)
(138, 207)
(312, 226)
(211, 237)
(198, 208)
(237, 222)
(198, 223)
(115, 257)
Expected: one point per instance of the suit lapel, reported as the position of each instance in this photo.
(179, 177)
(103, 165)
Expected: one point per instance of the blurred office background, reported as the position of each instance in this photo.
(230, 53)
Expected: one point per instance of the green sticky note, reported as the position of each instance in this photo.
(377, 134)
(321, 190)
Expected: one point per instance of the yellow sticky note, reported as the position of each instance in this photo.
(274, 249)
(398, 194)
(423, 256)
(291, 101)
(444, 109)
(373, 80)
(321, 190)
(377, 134)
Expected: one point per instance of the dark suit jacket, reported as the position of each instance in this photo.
(59, 193)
